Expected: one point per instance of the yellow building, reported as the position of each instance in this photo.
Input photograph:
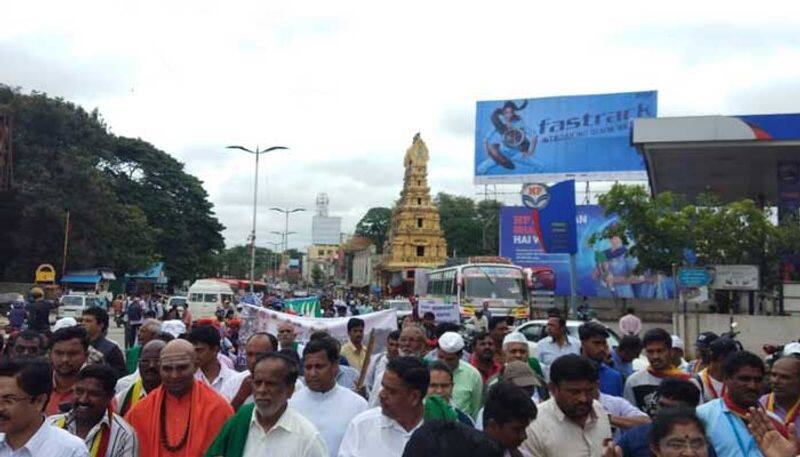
(415, 237)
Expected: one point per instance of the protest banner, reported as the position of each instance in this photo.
(308, 307)
(256, 319)
(444, 312)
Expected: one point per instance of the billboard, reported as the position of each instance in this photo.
(556, 138)
(545, 224)
(604, 269)
(326, 230)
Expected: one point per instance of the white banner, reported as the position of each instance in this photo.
(444, 312)
(257, 319)
(736, 277)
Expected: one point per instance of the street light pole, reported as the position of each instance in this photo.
(274, 257)
(257, 153)
(286, 212)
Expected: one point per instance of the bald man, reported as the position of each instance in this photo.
(183, 415)
(147, 378)
(149, 331)
(785, 397)
(241, 387)
(412, 343)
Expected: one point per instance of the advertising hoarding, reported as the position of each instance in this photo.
(326, 230)
(604, 269)
(736, 277)
(556, 138)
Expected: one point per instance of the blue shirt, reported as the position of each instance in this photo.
(611, 382)
(636, 442)
(726, 432)
(625, 369)
(549, 351)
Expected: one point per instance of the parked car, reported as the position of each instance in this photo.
(72, 305)
(176, 300)
(535, 330)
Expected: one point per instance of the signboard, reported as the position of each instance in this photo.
(444, 312)
(545, 225)
(45, 273)
(603, 269)
(736, 277)
(556, 138)
(693, 277)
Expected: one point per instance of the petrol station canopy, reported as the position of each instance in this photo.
(732, 157)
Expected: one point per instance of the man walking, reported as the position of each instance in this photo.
(95, 321)
(147, 380)
(467, 381)
(558, 343)
(784, 401)
(354, 351)
(68, 353)
(594, 346)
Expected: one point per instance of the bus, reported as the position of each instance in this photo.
(469, 285)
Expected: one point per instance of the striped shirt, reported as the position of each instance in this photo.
(121, 443)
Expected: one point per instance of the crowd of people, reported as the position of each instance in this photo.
(177, 391)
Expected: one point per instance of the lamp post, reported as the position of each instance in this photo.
(256, 153)
(286, 212)
(274, 245)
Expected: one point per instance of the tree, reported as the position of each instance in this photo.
(317, 275)
(129, 203)
(462, 229)
(375, 226)
(235, 262)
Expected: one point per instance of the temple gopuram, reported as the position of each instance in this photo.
(415, 240)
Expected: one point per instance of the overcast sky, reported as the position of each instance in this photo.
(347, 84)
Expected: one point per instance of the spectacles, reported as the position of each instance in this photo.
(694, 444)
(11, 400)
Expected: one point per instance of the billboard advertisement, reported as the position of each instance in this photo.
(556, 138)
(603, 269)
(545, 224)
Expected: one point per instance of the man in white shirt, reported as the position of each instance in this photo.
(630, 324)
(384, 431)
(329, 406)
(205, 339)
(270, 426)
(24, 387)
(571, 422)
(92, 418)
(378, 363)
(412, 343)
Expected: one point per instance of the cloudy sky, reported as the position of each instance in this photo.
(347, 84)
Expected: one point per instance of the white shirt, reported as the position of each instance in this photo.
(122, 441)
(48, 441)
(225, 374)
(292, 436)
(552, 434)
(330, 412)
(126, 381)
(372, 434)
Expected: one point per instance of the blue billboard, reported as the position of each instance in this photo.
(603, 269)
(557, 138)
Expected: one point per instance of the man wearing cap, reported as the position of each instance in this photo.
(39, 311)
(701, 350)
(711, 378)
(676, 354)
(521, 375)
(784, 401)
(467, 381)
(515, 347)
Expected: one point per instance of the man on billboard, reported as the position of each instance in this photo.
(510, 138)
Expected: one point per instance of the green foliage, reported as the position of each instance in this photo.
(235, 262)
(129, 203)
(317, 275)
(469, 229)
(664, 226)
(375, 226)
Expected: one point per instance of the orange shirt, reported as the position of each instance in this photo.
(57, 397)
(202, 410)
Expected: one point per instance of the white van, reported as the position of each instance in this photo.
(205, 295)
(73, 305)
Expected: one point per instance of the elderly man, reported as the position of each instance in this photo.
(258, 345)
(515, 347)
(24, 386)
(68, 353)
(467, 380)
(92, 418)
(270, 426)
(183, 415)
(323, 395)
(286, 337)
(785, 396)
(149, 331)
(147, 378)
(412, 343)
(385, 431)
